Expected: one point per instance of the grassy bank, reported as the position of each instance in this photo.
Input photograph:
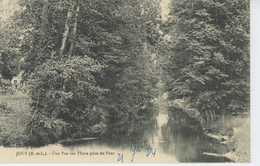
(237, 130)
(241, 142)
(13, 98)
(14, 110)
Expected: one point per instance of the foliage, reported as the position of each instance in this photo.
(88, 63)
(57, 26)
(9, 65)
(182, 105)
(10, 35)
(241, 142)
(6, 87)
(63, 92)
(4, 109)
(43, 130)
(12, 125)
(132, 77)
(207, 62)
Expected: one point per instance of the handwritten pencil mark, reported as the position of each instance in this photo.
(150, 151)
(135, 150)
(120, 157)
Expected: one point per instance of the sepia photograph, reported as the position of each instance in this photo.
(125, 81)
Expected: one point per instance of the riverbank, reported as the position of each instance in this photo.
(13, 113)
(235, 134)
(241, 143)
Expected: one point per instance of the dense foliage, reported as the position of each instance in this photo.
(207, 58)
(10, 39)
(5, 87)
(95, 67)
(64, 92)
(87, 64)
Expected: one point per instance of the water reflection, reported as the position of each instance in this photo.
(188, 144)
(184, 142)
(173, 143)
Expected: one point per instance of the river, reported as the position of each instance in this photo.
(160, 140)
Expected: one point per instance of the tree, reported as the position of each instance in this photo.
(64, 95)
(10, 39)
(207, 62)
(88, 65)
(132, 77)
(60, 71)
(10, 65)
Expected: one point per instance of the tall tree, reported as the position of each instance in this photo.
(88, 64)
(207, 61)
(10, 35)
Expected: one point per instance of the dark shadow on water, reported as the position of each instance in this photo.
(184, 141)
(188, 144)
(213, 159)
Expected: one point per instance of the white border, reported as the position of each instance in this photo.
(255, 98)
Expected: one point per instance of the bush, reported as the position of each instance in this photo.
(6, 87)
(12, 125)
(4, 108)
(64, 94)
(42, 130)
(182, 105)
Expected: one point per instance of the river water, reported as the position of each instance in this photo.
(160, 140)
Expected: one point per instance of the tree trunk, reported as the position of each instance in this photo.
(223, 115)
(44, 15)
(43, 24)
(207, 116)
(228, 113)
(66, 32)
(74, 30)
(211, 115)
(203, 116)
(214, 114)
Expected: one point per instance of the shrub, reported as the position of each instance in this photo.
(4, 108)
(12, 125)
(63, 95)
(42, 130)
(6, 87)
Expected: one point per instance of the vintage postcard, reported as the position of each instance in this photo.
(125, 81)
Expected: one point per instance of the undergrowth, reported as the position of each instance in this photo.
(241, 142)
(12, 122)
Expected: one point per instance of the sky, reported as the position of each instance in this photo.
(165, 9)
(6, 6)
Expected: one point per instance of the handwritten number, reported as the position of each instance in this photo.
(135, 150)
(120, 157)
(150, 151)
